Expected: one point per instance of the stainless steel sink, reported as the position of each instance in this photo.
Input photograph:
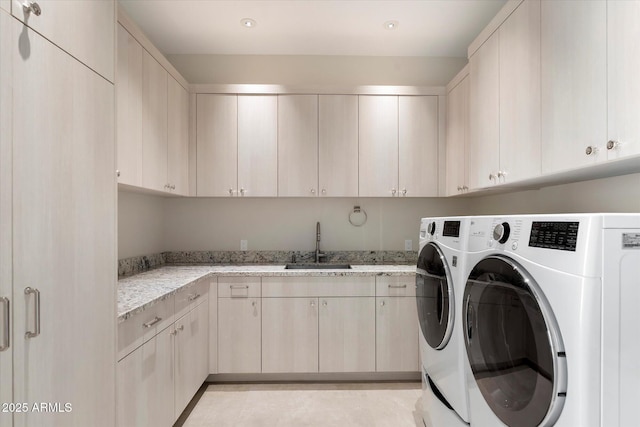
(317, 266)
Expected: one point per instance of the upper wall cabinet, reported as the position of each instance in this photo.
(623, 50)
(178, 137)
(62, 21)
(258, 145)
(457, 131)
(297, 145)
(5, 5)
(418, 146)
(574, 82)
(505, 101)
(338, 145)
(217, 145)
(398, 153)
(129, 109)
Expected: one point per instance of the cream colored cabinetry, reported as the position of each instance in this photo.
(5, 5)
(217, 145)
(129, 109)
(258, 145)
(297, 145)
(6, 338)
(163, 362)
(457, 131)
(83, 29)
(338, 145)
(289, 335)
(178, 138)
(154, 124)
(64, 198)
(396, 325)
(574, 79)
(504, 102)
(623, 74)
(418, 146)
(484, 114)
(378, 150)
(239, 325)
(213, 326)
(346, 334)
(398, 151)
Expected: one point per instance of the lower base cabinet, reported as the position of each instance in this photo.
(157, 380)
(397, 339)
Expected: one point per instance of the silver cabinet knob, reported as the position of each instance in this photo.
(242, 191)
(32, 7)
(173, 186)
(591, 150)
(612, 145)
(459, 188)
(404, 191)
(382, 303)
(502, 174)
(181, 328)
(313, 303)
(313, 191)
(174, 332)
(324, 303)
(253, 303)
(231, 191)
(465, 188)
(393, 191)
(324, 191)
(117, 173)
(492, 177)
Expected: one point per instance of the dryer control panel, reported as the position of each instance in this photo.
(559, 235)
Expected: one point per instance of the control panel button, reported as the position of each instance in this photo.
(514, 245)
(431, 228)
(501, 232)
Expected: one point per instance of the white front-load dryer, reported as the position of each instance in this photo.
(542, 295)
(439, 287)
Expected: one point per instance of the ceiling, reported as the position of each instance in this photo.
(313, 27)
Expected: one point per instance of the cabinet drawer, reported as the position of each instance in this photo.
(143, 326)
(334, 286)
(190, 296)
(396, 286)
(239, 287)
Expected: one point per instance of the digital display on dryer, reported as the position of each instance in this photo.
(451, 229)
(561, 236)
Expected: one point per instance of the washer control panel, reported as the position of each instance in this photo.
(559, 235)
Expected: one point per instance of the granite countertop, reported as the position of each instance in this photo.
(136, 293)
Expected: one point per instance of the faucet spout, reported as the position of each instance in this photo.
(318, 253)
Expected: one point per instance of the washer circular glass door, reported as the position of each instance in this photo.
(513, 344)
(434, 296)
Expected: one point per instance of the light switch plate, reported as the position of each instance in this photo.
(244, 244)
(408, 245)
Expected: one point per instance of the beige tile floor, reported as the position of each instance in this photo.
(308, 404)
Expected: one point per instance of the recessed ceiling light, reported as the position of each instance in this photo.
(391, 25)
(248, 22)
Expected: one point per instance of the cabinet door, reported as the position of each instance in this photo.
(64, 198)
(338, 145)
(6, 369)
(623, 72)
(154, 124)
(213, 327)
(183, 364)
(289, 335)
(158, 378)
(178, 138)
(347, 334)
(574, 79)
(129, 109)
(257, 145)
(298, 145)
(130, 391)
(198, 333)
(217, 145)
(418, 146)
(5, 5)
(85, 29)
(397, 334)
(239, 335)
(378, 151)
(520, 93)
(484, 107)
(457, 137)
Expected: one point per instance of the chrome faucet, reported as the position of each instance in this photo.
(318, 253)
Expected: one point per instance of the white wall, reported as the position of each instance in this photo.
(289, 224)
(317, 70)
(140, 224)
(617, 194)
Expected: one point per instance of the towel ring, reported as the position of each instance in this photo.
(357, 217)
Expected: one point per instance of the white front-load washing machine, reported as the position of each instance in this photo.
(550, 319)
(439, 287)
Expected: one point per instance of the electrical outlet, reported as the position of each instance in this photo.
(408, 245)
(244, 244)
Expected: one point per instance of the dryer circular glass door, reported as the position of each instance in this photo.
(513, 344)
(434, 296)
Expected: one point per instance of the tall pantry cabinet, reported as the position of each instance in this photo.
(57, 214)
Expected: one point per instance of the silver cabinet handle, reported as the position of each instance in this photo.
(152, 322)
(612, 145)
(194, 297)
(7, 328)
(27, 291)
(239, 286)
(397, 286)
(31, 7)
(382, 303)
(591, 150)
(181, 328)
